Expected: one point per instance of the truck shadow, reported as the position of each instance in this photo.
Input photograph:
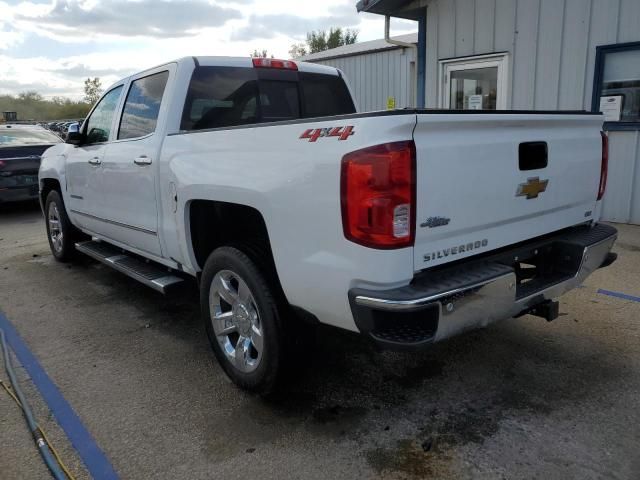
(516, 365)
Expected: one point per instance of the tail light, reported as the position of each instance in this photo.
(273, 63)
(378, 195)
(604, 166)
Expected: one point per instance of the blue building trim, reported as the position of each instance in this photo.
(421, 61)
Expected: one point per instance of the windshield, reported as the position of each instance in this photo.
(24, 136)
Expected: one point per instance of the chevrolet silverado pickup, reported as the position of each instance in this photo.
(259, 178)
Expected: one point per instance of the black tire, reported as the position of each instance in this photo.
(64, 249)
(265, 375)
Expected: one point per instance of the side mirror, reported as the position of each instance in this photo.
(74, 136)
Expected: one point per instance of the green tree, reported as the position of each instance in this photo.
(30, 96)
(260, 54)
(298, 50)
(318, 41)
(31, 105)
(92, 90)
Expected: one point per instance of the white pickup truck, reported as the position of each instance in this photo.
(258, 177)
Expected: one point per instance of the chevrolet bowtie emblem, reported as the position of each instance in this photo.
(532, 188)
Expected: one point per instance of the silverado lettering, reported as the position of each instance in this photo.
(456, 250)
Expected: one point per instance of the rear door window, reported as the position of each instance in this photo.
(141, 109)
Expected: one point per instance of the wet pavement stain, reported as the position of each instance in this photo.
(409, 459)
(628, 246)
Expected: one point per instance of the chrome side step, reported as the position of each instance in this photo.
(151, 274)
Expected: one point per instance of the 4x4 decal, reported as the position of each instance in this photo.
(313, 134)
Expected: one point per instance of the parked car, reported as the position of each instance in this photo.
(259, 178)
(21, 146)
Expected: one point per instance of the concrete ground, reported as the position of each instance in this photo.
(521, 399)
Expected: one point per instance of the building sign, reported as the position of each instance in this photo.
(611, 106)
(391, 103)
(475, 102)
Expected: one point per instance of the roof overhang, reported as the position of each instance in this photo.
(409, 9)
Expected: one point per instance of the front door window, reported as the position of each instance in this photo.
(98, 125)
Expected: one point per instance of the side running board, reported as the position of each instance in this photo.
(151, 274)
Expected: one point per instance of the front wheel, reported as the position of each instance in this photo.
(242, 319)
(60, 231)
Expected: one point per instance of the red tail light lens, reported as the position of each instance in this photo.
(273, 63)
(604, 166)
(378, 195)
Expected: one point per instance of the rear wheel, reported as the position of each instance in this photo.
(243, 319)
(60, 232)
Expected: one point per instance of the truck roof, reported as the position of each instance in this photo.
(247, 62)
(222, 61)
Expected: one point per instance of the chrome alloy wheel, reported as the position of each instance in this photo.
(55, 229)
(235, 320)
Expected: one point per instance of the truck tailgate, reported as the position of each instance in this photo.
(483, 183)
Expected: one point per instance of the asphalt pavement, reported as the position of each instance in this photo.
(521, 399)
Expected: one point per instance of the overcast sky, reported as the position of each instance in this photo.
(52, 46)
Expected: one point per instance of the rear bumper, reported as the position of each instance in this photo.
(444, 302)
(18, 194)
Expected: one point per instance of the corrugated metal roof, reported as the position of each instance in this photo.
(360, 48)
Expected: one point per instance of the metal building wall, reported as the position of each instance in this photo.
(377, 75)
(552, 47)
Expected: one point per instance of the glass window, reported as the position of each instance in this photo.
(141, 109)
(619, 89)
(474, 89)
(227, 96)
(27, 136)
(220, 97)
(99, 123)
(325, 95)
(279, 100)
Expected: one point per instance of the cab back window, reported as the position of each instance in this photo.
(325, 95)
(230, 96)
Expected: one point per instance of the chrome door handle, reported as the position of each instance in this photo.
(95, 161)
(142, 160)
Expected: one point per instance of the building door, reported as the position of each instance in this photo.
(474, 83)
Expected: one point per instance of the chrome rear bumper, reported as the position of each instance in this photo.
(473, 294)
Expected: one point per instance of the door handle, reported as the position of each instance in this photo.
(142, 160)
(95, 161)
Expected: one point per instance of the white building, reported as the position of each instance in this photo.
(514, 54)
(376, 70)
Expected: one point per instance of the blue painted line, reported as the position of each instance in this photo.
(619, 295)
(93, 457)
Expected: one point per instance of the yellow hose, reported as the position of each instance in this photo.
(44, 435)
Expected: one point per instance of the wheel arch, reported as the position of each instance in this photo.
(46, 186)
(212, 223)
